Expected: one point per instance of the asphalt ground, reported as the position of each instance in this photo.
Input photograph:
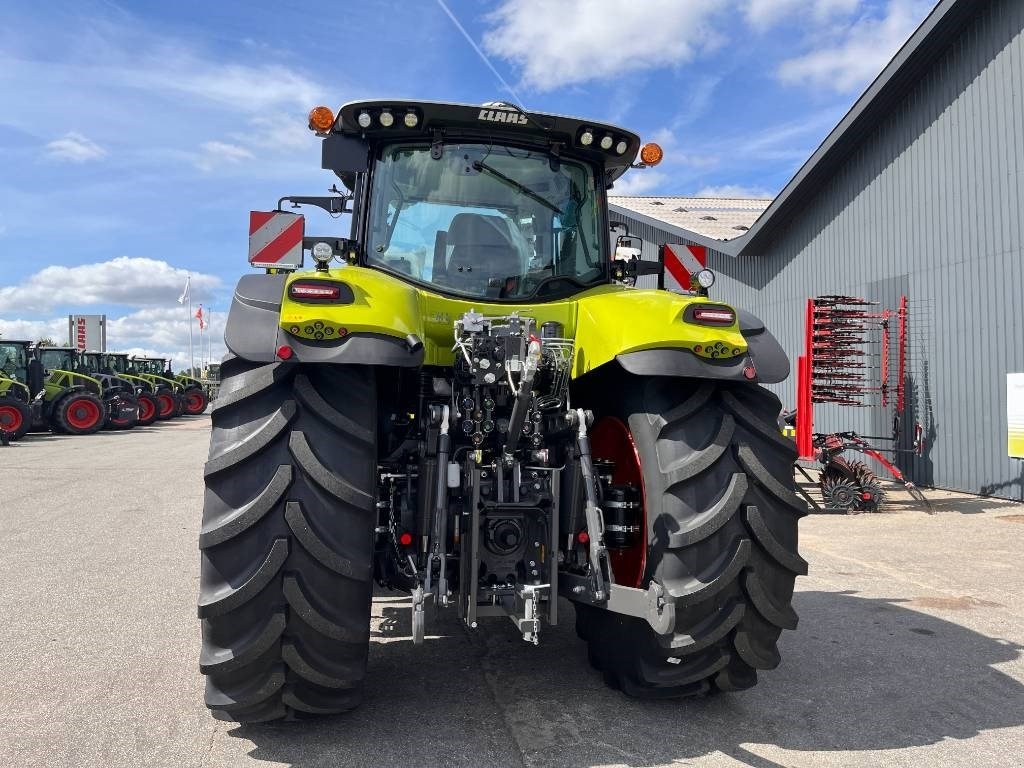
(908, 651)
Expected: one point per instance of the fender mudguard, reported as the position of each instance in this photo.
(253, 332)
(768, 357)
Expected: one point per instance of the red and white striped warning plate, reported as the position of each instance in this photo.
(682, 262)
(275, 239)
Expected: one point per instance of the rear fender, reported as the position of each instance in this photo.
(253, 332)
(652, 333)
(764, 354)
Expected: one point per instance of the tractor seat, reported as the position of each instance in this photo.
(482, 251)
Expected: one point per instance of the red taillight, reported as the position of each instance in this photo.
(405, 539)
(583, 537)
(285, 352)
(314, 291)
(714, 316)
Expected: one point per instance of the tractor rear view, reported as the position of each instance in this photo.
(477, 408)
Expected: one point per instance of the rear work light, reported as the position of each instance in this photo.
(711, 315)
(314, 291)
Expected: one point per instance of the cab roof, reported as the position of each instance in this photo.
(490, 121)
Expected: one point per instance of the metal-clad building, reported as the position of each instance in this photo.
(919, 191)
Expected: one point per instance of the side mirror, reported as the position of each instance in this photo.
(628, 247)
(628, 263)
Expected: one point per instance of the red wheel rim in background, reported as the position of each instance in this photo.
(10, 418)
(166, 404)
(610, 439)
(194, 403)
(146, 409)
(83, 413)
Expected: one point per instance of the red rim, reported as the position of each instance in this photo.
(10, 418)
(146, 409)
(194, 403)
(610, 439)
(166, 404)
(83, 413)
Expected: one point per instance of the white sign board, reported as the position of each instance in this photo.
(1015, 415)
(87, 333)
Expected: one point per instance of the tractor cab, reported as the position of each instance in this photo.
(14, 361)
(476, 202)
(95, 364)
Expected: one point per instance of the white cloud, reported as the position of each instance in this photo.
(562, 42)
(149, 332)
(734, 191)
(33, 330)
(245, 88)
(130, 281)
(763, 14)
(74, 147)
(215, 153)
(859, 51)
(280, 130)
(638, 182)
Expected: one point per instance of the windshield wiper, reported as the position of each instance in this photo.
(480, 166)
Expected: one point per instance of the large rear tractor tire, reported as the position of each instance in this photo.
(721, 522)
(287, 540)
(196, 401)
(79, 413)
(15, 417)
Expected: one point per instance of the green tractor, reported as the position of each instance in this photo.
(478, 408)
(194, 394)
(111, 369)
(168, 393)
(15, 396)
(72, 400)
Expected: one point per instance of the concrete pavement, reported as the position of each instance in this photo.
(908, 651)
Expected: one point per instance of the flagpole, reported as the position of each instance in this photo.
(191, 354)
(209, 343)
(201, 324)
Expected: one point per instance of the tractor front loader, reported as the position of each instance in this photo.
(477, 407)
(16, 417)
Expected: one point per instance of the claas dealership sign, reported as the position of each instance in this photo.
(87, 332)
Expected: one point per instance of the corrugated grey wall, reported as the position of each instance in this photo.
(931, 204)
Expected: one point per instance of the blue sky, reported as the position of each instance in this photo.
(135, 137)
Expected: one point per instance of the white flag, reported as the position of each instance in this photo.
(184, 294)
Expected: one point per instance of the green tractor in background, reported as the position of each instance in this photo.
(101, 366)
(196, 396)
(168, 393)
(15, 397)
(147, 393)
(190, 390)
(73, 401)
